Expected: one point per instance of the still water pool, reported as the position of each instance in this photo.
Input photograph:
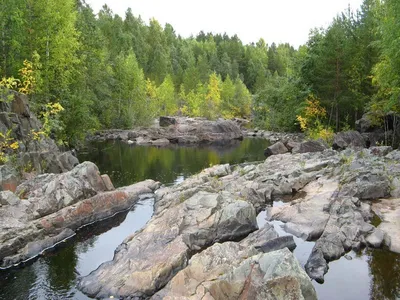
(369, 275)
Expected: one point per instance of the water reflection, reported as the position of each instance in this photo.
(127, 164)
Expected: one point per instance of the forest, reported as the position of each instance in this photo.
(105, 71)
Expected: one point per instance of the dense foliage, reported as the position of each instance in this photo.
(112, 72)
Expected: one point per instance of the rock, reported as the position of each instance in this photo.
(311, 223)
(8, 178)
(389, 212)
(279, 243)
(223, 272)
(277, 148)
(143, 141)
(309, 146)
(375, 239)
(348, 139)
(184, 131)
(365, 124)
(8, 198)
(107, 182)
(148, 259)
(50, 193)
(167, 121)
(381, 150)
(290, 145)
(24, 233)
(257, 276)
(160, 142)
(34, 155)
(220, 170)
(344, 231)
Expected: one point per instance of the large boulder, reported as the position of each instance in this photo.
(223, 271)
(309, 146)
(147, 260)
(348, 139)
(277, 148)
(366, 123)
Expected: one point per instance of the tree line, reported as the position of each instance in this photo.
(109, 71)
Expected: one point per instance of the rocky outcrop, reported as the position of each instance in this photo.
(389, 212)
(177, 130)
(277, 148)
(37, 155)
(219, 204)
(202, 241)
(230, 271)
(309, 146)
(51, 207)
(146, 261)
(348, 139)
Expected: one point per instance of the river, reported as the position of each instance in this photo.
(370, 274)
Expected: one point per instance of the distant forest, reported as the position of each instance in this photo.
(109, 71)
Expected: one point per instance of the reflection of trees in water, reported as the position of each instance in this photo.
(88, 235)
(126, 164)
(385, 273)
(16, 283)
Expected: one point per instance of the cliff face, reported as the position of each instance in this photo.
(38, 155)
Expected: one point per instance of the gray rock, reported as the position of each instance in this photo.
(8, 198)
(160, 142)
(381, 150)
(375, 239)
(348, 139)
(279, 243)
(309, 146)
(223, 271)
(107, 182)
(167, 121)
(148, 259)
(389, 212)
(24, 233)
(184, 131)
(365, 124)
(277, 148)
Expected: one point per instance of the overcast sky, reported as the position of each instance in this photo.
(274, 20)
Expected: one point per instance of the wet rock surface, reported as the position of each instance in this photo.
(211, 215)
(177, 130)
(51, 207)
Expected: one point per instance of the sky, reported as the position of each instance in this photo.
(276, 21)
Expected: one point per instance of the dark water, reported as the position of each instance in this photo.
(54, 275)
(371, 274)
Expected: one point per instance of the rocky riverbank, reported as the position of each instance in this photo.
(51, 207)
(203, 239)
(176, 130)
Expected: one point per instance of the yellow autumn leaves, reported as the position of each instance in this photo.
(310, 120)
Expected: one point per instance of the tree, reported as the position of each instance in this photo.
(211, 106)
(166, 97)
